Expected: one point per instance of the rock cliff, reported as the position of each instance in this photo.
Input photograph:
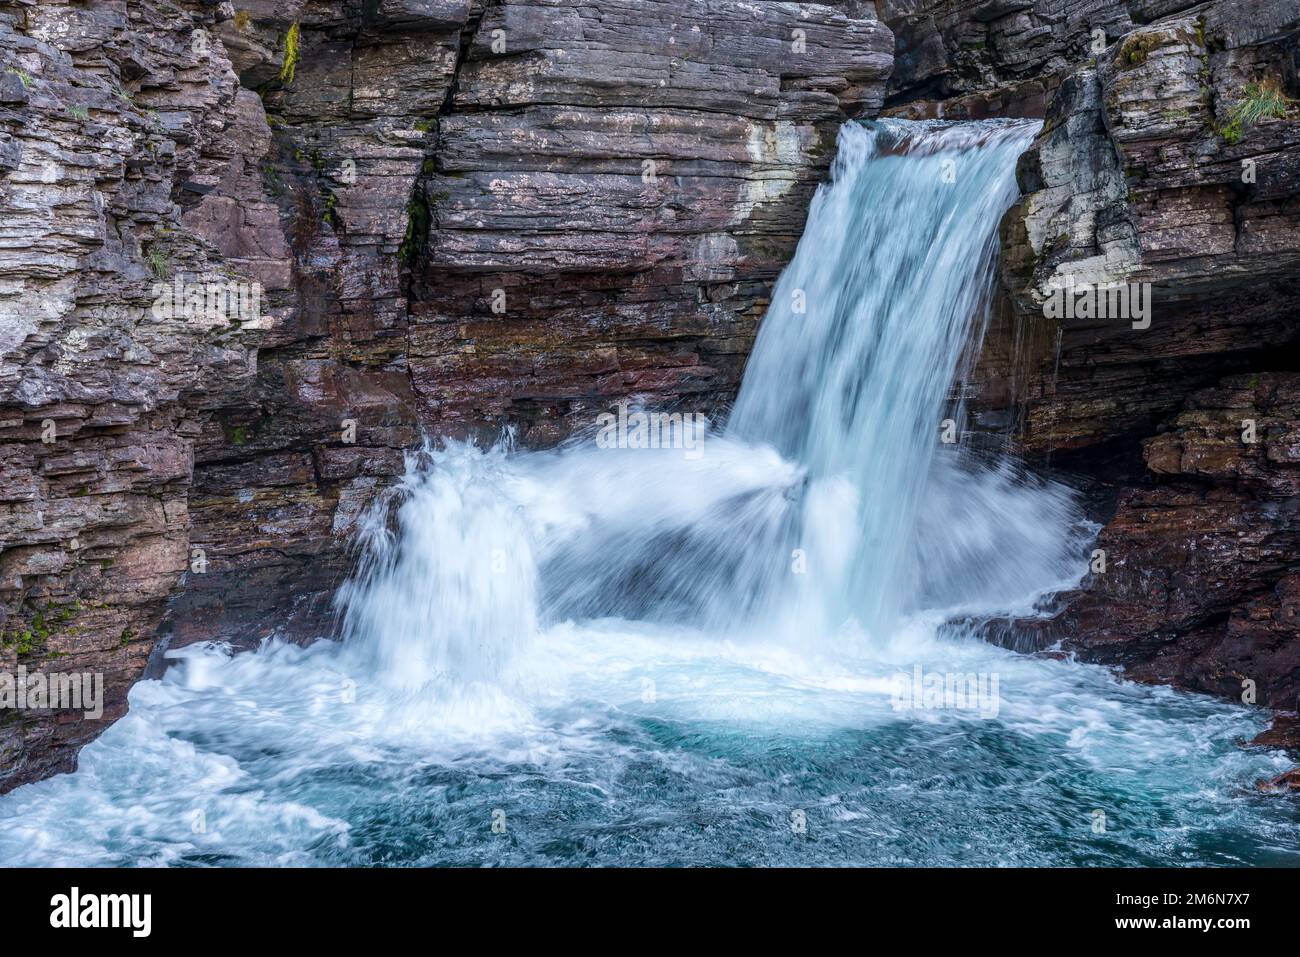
(129, 155)
(458, 214)
(1152, 170)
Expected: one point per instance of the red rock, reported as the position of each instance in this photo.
(1288, 782)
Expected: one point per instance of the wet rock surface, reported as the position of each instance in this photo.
(1145, 174)
(1288, 782)
(1200, 586)
(631, 176)
(467, 214)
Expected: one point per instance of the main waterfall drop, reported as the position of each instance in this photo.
(632, 655)
(889, 287)
(805, 515)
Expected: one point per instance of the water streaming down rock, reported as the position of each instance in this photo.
(451, 591)
(805, 513)
(889, 288)
(644, 656)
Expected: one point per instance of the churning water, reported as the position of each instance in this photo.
(738, 652)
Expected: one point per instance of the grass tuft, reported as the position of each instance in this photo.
(158, 262)
(1262, 100)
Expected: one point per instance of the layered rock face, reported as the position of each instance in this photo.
(459, 215)
(116, 126)
(1202, 579)
(1146, 173)
(467, 214)
(612, 190)
(978, 58)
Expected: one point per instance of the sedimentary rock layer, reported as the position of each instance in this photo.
(1146, 173)
(121, 137)
(631, 176)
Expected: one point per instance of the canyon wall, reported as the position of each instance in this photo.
(463, 215)
(1145, 173)
(460, 215)
(116, 128)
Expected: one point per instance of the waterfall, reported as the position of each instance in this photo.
(455, 592)
(889, 287)
(824, 503)
(633, 651)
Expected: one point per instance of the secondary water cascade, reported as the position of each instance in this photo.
(618, 654)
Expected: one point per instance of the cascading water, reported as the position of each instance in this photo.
(868, 323)
(633, 655)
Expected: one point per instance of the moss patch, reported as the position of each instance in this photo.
(419, 218)
(1137, 48)
(291, 55)
(25, 641)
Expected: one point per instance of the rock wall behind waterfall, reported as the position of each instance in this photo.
(1134, 180)
(1203, 580)
(424, 154)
